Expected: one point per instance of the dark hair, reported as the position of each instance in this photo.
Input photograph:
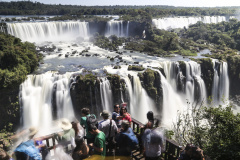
(150, 115)
(190, 146)
(85, 111)
(121, 112)
(92, 127)
(75, 127)
(116, 105)
(79, 140)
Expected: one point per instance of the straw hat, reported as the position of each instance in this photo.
(32, 131)
(65, 124)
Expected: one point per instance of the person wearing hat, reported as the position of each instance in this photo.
(27, 150)
(110, 132)
(68, 132)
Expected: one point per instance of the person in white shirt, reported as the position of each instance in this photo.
(110, 132)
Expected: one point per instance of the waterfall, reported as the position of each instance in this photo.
(48, 31)
(116, 28)
(224, 83)
(140, 102)
(215, 85)
(36, 99)
(127, 29)
(195, 92)
(171, 70)
(106, 95)
(181, 22)
(173, 103)
(220, 89)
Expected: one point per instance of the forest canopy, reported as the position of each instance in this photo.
(17, 59)
(36, 8)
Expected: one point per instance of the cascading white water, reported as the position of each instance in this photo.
(220, 89)
(36, 97)
(181, 22)
(140, 102)
(193, 74)
(48, 31)
(2, 29)
(128, 29)
(173, 103)
(116, 28)
(106, 95)
(215, 85)
(171, 73)
(224, 83)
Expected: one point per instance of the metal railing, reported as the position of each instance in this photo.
(172, 149)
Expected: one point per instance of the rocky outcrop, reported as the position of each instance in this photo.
(207, 73)
(234, 74)
(85, 92)
(151, 83)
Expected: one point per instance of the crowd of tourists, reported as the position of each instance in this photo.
(93, 139)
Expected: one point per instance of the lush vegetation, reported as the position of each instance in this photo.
(214, 129)
(222, 38)
(17, 59)
(110, 43)
(136, 13)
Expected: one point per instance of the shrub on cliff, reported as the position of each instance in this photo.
(215, 129)
(17, 59)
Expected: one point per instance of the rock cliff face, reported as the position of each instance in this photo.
(234, 74)
(86, 92)
(151, 83)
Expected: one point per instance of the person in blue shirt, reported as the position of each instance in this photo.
(115, 114)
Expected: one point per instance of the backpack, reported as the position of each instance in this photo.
(91, 120)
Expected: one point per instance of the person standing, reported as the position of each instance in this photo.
(152, 144)
(109, 128)
(115, 114)
(85, 113)
(126, 140)
(98, 147)
(124, 115)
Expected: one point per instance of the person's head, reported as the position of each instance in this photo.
(92, 129)
(105, 114)
(79, 141)
(75, 126)
(85, 111)
(150, 116)
(32, 132)
(116, 108)
(125, 125)
(4, 155)
(189, 149)
(123, 110)
(65, 124)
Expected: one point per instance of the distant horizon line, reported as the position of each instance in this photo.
(120, 5)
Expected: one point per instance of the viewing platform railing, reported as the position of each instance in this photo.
(172, 149)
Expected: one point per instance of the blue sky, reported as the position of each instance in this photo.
(188, 3)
